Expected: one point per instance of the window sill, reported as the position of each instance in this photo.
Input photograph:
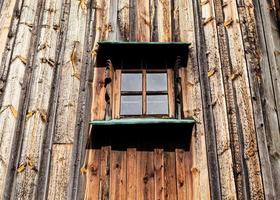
(142, 121)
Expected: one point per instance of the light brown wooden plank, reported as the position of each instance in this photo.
(98, 102)
(143, 21)
(116, 93)
(171, 99)
(170, 176)
(164, 20)
(6, 14)
(192, 102)
(93, 175)
(123, 19)
(181, 174)
(131, 174)
(59, 171)
(118, 175)
(159, 174)
(145, 175)
(104, 193)
(189, 182)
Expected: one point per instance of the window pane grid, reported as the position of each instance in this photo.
(144, 94)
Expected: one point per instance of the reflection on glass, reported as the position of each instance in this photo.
(131, 105)
(156, 82)
(157, 104)
(131, 82)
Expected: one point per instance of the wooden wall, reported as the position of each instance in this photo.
(47, 53)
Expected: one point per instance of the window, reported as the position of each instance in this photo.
(142, 80)
(144, 93)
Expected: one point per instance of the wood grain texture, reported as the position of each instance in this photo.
(105, 159)
(145, 176)
(131, 174)
(143, 21)
(6, 18)
(70, 74)
(243, 99)
(255, 69)
(40, 95)
(118, 175)
(93, 175)
(192, 104)
(170, 192)
(230, 87)
(11, 99)
(268, 101)
(159, 174)
(59, 171)
(181, 174)
(218, 101)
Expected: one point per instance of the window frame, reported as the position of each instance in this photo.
(117, 93)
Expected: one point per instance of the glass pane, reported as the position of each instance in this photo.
(131, 105)
(131, 82)
(156, 82)
(157, 104)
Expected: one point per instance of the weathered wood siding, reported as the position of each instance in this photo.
(232, 88)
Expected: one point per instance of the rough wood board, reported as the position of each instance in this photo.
(104, 188)
(164, 20)
(59, 175)
(70, 74)
(192, 105)
(241, 85)
(159, 174)
(98, 102)
(218, 102)
(170, 192)
(118, 175)
(39, 98)
(11, 97)
(143, 21)
(260, 78)
(123, 19)
(145, 175)
(93, 175)
(6, 15)
(181, 174)
(131, 174)
(269, 98)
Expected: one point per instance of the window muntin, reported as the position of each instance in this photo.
(153, 93)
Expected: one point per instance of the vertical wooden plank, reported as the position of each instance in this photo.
(181, 174)
(271, 138)
(143, 21)
(131, 174)
(123, 19)
(40, 93)
(59, 171)
(164, 20)
(243, 100)
(6, 17)
(218, 101)
(118, 175)
(170, 176)
(98, 102)
(15, 90)
(171, 93)
(116, 93)
(192, 101)
(189, 181)
(105, 154)
(145, 175)
(159, 174)
(93, 175)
